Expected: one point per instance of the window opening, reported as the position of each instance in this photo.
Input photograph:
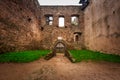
(49, 19)
(76, 38)
(60, 38)
(75, 20)
(61, 21)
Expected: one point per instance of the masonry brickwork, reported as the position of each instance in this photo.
(19, 25)
(50, 33)
(24, 26)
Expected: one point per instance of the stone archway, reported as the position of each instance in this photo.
(60, 47)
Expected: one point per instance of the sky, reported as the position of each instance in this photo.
(59, 2)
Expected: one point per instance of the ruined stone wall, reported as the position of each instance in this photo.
(102, 26)
(50, 33)
(19, 25)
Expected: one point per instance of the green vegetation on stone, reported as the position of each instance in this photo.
(23, 56)
(86, 55)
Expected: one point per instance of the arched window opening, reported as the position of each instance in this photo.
(76, 38)
(61, 21)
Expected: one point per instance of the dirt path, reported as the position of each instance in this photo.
(60, 68)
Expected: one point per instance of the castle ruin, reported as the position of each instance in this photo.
(25, 25)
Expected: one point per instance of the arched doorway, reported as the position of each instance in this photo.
(59, 47)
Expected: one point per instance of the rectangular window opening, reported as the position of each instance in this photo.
(61, 21)
(49, 20)
(75, 20)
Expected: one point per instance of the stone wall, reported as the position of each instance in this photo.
(50, 33)
(23, 26)
(19, 25)
(102, 26)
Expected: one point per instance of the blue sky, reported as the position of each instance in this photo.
(59, 2)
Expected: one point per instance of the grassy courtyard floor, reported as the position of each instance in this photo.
(78, 55)
(23, 56)
(86, 55)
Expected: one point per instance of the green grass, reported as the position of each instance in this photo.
(86, 55)
(23, 56)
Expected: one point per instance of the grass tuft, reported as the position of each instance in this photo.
(86, 55)
(23, 56)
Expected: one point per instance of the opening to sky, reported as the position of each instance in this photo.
(61, 22)
(59, 2)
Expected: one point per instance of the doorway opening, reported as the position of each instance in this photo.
(60, 47)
